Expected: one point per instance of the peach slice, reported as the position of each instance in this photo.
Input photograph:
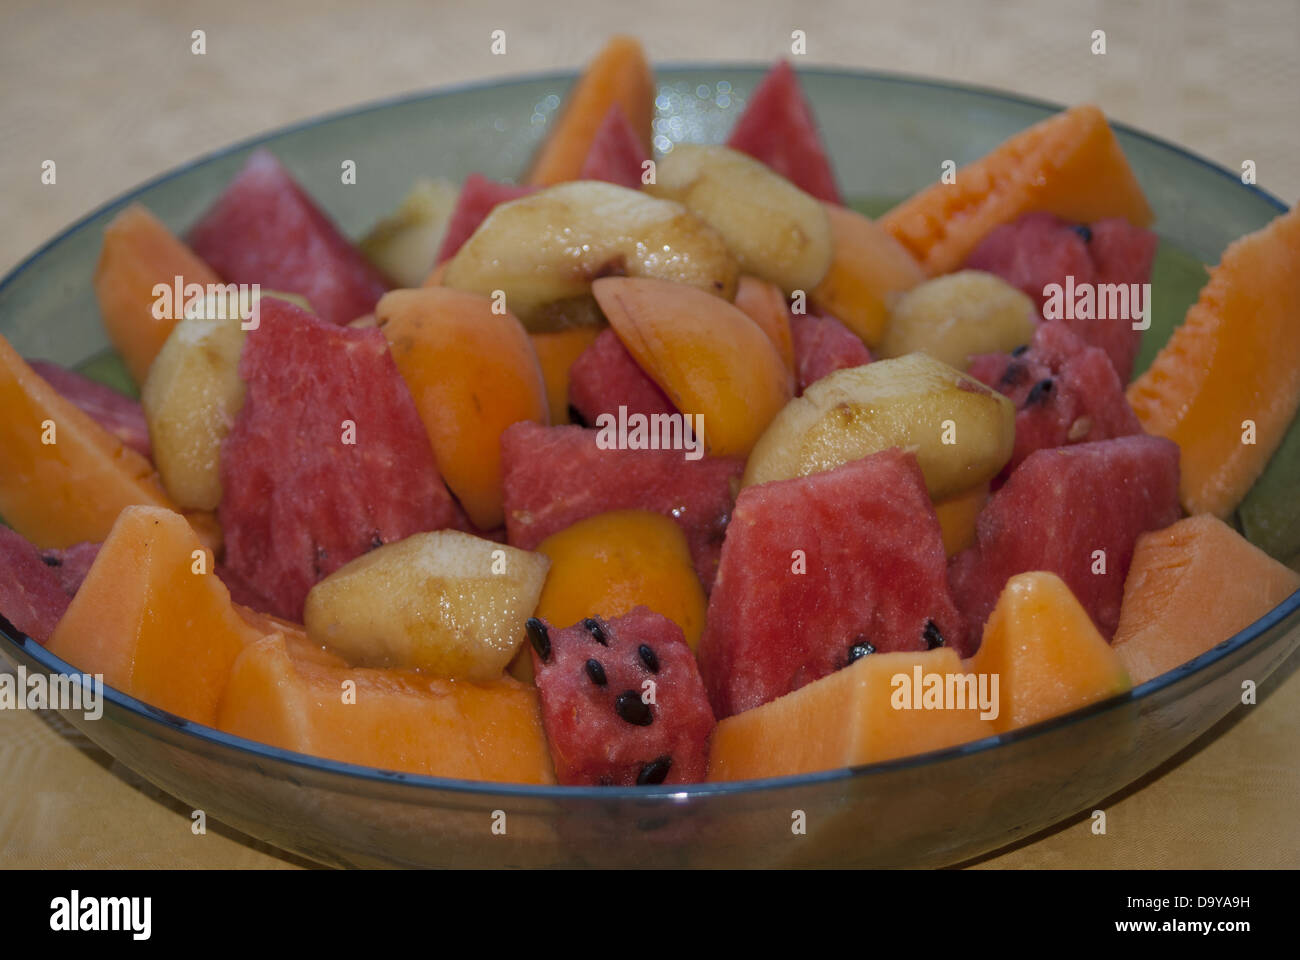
(705, 354)
(139, 252)
(556, 353)
(765, 304)
(473, 373)
(869, 271)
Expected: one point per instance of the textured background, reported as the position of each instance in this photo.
(111, 92)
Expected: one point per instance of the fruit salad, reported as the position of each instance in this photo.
(657, 468)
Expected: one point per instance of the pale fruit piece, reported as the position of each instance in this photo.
(193, 394)
(706, 354)
(777, 232)
(446, 602)
(405, 243)
(913, 402)
(955, 317)
(544, 250)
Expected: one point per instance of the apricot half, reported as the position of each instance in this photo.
(705, 354)
(765, 304)
(473, 373)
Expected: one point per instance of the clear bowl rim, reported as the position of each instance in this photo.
(676, 792)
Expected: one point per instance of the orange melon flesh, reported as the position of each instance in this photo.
(844, 719)
(556, 353)
(619, 74)
(1046, 652)
(1234, 358)
(400, 720)
(152, 626)
(139, 252)
(869, 270)
(1191, 586)
(765, 304)
(1069, 164)
(72, 490)
(957, 518)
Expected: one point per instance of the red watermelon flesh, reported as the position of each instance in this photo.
(265, 229)
(115, 412)
(605, 376)
(71, 564)
(1041, 249)
(298, 499)
(823, 345)
(617, 153)
(593, 679)
(31, 598)
(477, 198)
(778, 128)
(1064, 391)
(1058, 508)
(867, 538)
(556, 476)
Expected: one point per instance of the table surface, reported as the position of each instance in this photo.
(112, 93)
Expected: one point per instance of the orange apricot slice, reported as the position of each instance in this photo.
(556, 353)
(1069, 164)
(618, 74)
(473, 373)
(708, 356)
(1227, 384)
(765, 304)
(869, 271)
(138, 253)
(65, 478)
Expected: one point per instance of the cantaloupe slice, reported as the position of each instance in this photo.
(1233, 360)
(1190, 587)
(139, 252)
(1046, 652)
(845, 719)
(957, 517)
(619, 74)
(154, 626)
(393, 719)
(556, 353)
(1069, 164)
(869, 271)
(765, 304)
(70, 490)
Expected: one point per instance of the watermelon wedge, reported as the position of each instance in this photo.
(778, 128)
(617, 153)
(605, 376)
(31, 597)
(477, 198)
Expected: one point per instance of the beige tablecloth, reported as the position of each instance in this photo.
(112, 93)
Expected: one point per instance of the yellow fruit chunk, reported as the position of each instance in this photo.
(472, 373)
(870, 711)
(1046, 652)
(153, 617)
(65, 478)
(556, 353)
(1191, 586)
(869, 271)
(396, 719)
(705, 354)
(612, 562)
(957, 517)
(1230, 370)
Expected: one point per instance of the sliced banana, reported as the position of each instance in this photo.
(543, 251)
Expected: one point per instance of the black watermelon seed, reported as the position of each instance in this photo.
(1020, 350)
(648, 658)
(1084, 231)
(933, 638)
(597, 631)
(52, 561)
(1013, 375)
(576, 417)
(376, 541)
(597, 673)
(605, 781)
(539, 637)
(633, 709)
(859, 650)
(654, 772)
(1039, 392)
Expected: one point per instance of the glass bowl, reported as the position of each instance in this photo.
(888, 136)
